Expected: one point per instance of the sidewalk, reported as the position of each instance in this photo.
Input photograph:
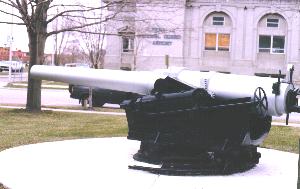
(283, 124)
(3, 84)
(43, 86)
(72, 111)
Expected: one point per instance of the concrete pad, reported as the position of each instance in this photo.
(102, 163)
(3, 84)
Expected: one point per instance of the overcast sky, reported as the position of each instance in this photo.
(20, 37)
(19, 33)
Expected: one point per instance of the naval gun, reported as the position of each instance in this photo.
(191, 122)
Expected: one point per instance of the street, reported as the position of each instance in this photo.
(50, 97)
(14, 77)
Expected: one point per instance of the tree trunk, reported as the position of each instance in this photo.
(36, 51)
(56, 59)
(37, 35)
(101, 64)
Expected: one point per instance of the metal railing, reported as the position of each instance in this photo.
(15, 74)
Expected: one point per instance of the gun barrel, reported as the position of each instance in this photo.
(140, 82)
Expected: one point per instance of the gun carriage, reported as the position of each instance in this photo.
(191, 122)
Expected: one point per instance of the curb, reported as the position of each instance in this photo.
(283, 124)
(71, 111)
(43, 86)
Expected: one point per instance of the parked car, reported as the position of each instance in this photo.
(85, 65)
(99, 96)
(15, 66)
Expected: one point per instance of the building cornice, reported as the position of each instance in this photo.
(291, 4)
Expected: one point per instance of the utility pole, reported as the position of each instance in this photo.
(53, 52)
(10, 40)
(55, 57)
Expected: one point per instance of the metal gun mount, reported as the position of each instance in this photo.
(191, 122)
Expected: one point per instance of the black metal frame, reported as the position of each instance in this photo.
(188, 132)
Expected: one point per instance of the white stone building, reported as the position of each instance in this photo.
(235, 36)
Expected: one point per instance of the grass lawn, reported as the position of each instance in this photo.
(18, 127)
(283, 138)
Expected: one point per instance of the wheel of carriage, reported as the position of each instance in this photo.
(261, 101)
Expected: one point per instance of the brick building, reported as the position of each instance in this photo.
(4, 53)
(17, 55)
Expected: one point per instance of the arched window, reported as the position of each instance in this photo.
(217, 32)
(272, 30)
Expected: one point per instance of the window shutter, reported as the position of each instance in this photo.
(224, 41)
(210, 41)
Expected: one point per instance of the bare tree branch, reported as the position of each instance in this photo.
(70, 5)
(75, 10)
(6, 3)
(76, 28)
(12, 23)
(10, 14)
